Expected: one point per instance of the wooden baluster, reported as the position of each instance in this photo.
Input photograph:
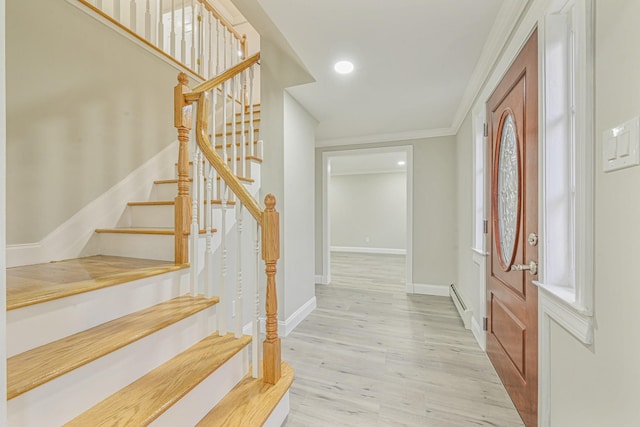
(147, 21)
(255, 349)
(252, 148)
(133, 19)
(183, 123)
(222, 310)
(234, 139)
(270, 255)
(183, 43)
(243, 139)
(239, 269)
(116, 10)
(173, 29)
(160, 41)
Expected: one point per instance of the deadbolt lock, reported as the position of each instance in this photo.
(533, 239)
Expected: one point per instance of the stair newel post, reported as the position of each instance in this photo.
(270, 255)
(183, 123)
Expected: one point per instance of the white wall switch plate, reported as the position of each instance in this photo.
(621, 146)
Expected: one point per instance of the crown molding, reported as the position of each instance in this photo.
(504, 24)
(385, 137)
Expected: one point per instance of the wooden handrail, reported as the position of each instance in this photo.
(226, 174)
(221, 18)
(222, 77)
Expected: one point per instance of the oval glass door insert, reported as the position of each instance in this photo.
(508, 191)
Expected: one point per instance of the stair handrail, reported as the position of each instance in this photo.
(267, 217)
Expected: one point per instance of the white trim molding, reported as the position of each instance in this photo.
(386, 137)
(434, 290)
(287, 326)
(479, 334)
(322, 279)
(366, 250)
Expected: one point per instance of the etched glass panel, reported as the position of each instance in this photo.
(508, 189)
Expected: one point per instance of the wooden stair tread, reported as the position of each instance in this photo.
(34, 284)
(144, 400)
(238, 143)
(250, 402)
(145, 230)
(37, 366)
(238, 132)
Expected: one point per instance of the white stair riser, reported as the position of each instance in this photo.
(279, 413)
(199, 401)
(35, 325)
(160, 216)
(166, 191)
(148, 246)
(62, 399)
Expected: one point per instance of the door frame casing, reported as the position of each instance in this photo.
(325, 277)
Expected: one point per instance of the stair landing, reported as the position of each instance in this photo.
(33, 284)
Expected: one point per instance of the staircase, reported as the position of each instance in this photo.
(130, 337)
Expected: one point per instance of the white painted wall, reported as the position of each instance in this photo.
(434, 208)
(3, 182)
(600, 385)
(368, 210)
(288, 132)
(81, 102)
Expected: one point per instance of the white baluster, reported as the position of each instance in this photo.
(133, 20)
(195, 231)
(160, 37)
(224, 120)
(99, 4)
(222, 313)
(217, 50)
(183, 43)
(209, 225)
(193, 58)
(147, 21)
(173, 29)
(252, 148)
(224, 47)
(255, 327)
(239, 269)
(210, 51)
(201, 192)
(116, 10)
(234, 147)
(243, 139)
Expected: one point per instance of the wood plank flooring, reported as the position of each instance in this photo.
(370, 355)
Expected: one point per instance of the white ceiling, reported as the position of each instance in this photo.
(417, 63)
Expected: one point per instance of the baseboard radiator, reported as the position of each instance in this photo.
(464, 311)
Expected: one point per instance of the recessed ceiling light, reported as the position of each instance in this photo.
(343, 67)
(402, 163)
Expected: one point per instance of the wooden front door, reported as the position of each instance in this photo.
(512, 298)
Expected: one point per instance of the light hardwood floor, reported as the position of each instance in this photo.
(370, 355)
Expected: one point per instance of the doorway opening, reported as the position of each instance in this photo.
(367, 215)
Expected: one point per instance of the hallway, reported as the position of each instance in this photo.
(370, 355)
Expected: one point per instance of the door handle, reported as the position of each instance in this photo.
(532, 267)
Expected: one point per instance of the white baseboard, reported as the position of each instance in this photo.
(479, 334)
(70, 238)
(321, 279)
(287, 326)
(435, 290)
(365, 250)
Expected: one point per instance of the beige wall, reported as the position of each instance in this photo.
(434, 207)
(83, 111)
(368, 210)
(600, 385)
